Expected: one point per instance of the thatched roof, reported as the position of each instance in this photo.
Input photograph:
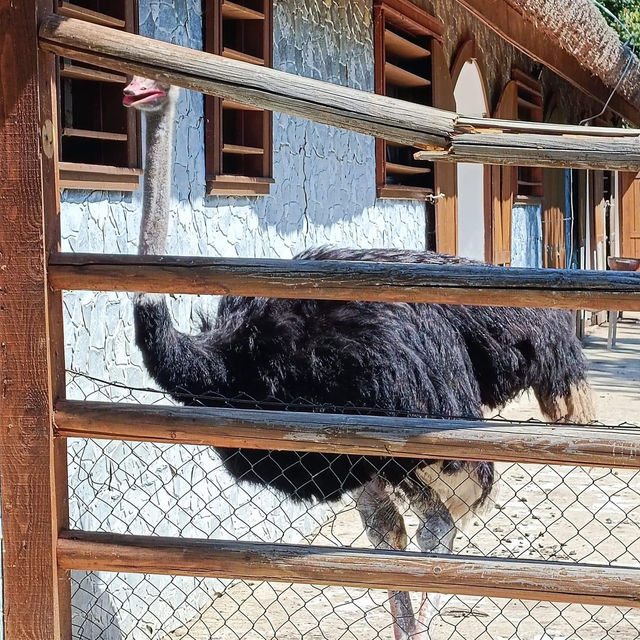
(580, 29)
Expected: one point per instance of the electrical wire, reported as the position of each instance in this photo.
(630, 46)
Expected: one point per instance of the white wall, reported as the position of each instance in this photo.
(470, 100)
(526, 236)
(324, 192)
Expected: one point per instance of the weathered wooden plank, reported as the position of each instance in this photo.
(469, 124)
(538, 150)
(356, 435)
(343, 280)
(350, 567)
(36, 594)
(49, 125)
(235, 80)
(395, 120)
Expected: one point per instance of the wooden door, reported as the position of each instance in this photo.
(446, 173)
(553, 215)
(629, 205)
(501, 186)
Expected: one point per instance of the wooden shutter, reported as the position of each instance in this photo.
(99, 138)
(529, 180)
(502, 182)
(403, 34)
(553, 227)
(630, 214)
(446, 173)
(238, 137)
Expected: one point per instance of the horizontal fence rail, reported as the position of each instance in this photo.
(350, 567)
(445, 135)
(346, 280)
(526, 443)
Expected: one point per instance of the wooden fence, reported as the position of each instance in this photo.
(440, 134)
(36, 419)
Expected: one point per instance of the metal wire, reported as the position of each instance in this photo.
(630, 46)
(568, 514)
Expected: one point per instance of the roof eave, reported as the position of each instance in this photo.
(513, 27)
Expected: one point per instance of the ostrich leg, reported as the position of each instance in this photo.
(385, 529)
(435, 534)
(440, 501)
(443, 501)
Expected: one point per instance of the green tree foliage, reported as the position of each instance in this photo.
(628, 12)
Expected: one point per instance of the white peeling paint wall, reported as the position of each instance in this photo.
(324, 193)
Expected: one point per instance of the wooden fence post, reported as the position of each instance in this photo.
(33, 467)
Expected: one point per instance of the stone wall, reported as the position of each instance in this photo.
(324, 193)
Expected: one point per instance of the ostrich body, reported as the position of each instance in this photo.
(417, 359)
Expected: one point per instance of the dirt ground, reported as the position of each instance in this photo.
(539, 513)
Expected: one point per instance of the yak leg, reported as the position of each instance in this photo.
(385, 529)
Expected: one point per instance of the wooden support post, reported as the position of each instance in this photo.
(34, 493)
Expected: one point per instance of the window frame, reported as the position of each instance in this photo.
(402, 15)
(528, 181)
(86, 175)
(218, 182)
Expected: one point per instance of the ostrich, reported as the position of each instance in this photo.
(413, 359)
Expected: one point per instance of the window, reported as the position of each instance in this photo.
(529, 106)
(238, 138)
(403, 41)
(99, 138)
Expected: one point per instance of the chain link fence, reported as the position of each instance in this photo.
(536, 512)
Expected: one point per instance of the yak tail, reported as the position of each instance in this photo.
(575, 407)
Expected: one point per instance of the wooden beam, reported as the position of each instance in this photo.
(344, 280)
(36, 594)
(512, 26)
(349, 567)
(468, 124)
(537, 150)
(51, 180)
(526, 443)
(238, 81)
(395, 120)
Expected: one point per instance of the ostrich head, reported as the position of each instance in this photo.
(148, 95)
(157, 101)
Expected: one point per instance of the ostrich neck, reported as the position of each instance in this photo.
(157, 181)
(175, 360)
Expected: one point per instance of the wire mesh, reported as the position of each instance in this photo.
(536, 512)
(257, 610)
